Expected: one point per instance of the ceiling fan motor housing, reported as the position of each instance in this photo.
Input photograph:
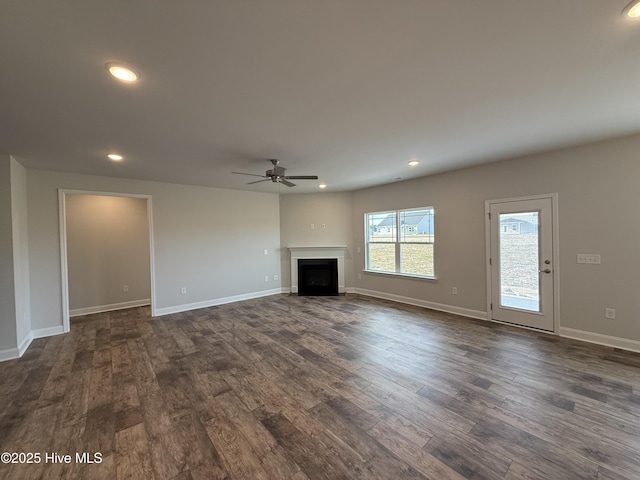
(277, 175)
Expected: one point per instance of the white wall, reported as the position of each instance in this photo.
(299, 211)
(599, 206)
(7, 286)
(107, 248)
(15, 323)
(207, 240)
(20, 251)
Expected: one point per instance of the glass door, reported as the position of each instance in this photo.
(521, 262)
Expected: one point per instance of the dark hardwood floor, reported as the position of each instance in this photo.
(288, 387)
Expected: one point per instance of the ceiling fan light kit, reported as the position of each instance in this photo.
(276, 175)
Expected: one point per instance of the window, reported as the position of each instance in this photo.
(400, 241)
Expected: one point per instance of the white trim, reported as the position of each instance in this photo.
(64, 267)
(9, 354)
(556, 251)
(13, 353)
(600, 339)
(401, 275)
(152, 262)
(109, 308)
(48, 332)
(465, 312)
(328, 251)
(216, 301)
(25, 343)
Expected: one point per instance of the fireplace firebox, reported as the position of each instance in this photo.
(318, 276)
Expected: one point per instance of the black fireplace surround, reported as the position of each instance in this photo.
(318, 276)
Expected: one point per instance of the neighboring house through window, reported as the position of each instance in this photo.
(400, 242)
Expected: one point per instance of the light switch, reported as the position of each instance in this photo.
(589, 258)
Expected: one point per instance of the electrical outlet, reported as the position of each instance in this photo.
(125, 288)
(454, 290)
(324, 225)
(266, 278)
(183, 291)
(275, 277)
(610, 313)
(312, 226)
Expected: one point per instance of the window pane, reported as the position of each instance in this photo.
(417, 258)
(519, 277)
(416, 225)
(381, 227)
(382, 256)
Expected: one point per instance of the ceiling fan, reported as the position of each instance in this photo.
(276, 175)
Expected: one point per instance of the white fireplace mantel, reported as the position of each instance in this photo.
(322, 251)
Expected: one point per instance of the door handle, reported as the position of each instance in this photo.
(546, 270)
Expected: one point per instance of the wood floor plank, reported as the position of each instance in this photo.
(132, 456)
(421, 460)
(272, 456)
(310, 453)
(383, 463)
(238, 457)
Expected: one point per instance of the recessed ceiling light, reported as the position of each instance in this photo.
(115, 157)
(322, 185)
(632, 10)
(122, 72)
(413, 163)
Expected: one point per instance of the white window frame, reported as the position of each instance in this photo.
(398, 242)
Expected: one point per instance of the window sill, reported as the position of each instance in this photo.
(401, 275)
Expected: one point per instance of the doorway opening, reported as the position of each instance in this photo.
(106, 250)
(522, 261)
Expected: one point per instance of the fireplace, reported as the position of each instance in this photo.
(318, 252)
(318, 276)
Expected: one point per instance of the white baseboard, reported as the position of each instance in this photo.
(598, 338)
(109, 308)
(9, 354)
(25, 343)
(48, 332)
(13, 353)
(217, 301)
(465, 312)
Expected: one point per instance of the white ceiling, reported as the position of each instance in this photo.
(349, 90)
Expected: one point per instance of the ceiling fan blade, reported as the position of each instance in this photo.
(286, 182)
(258, 181)
(251, 174)
(301, 177)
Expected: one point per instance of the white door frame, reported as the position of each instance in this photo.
(556, 254)
(64, 265)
